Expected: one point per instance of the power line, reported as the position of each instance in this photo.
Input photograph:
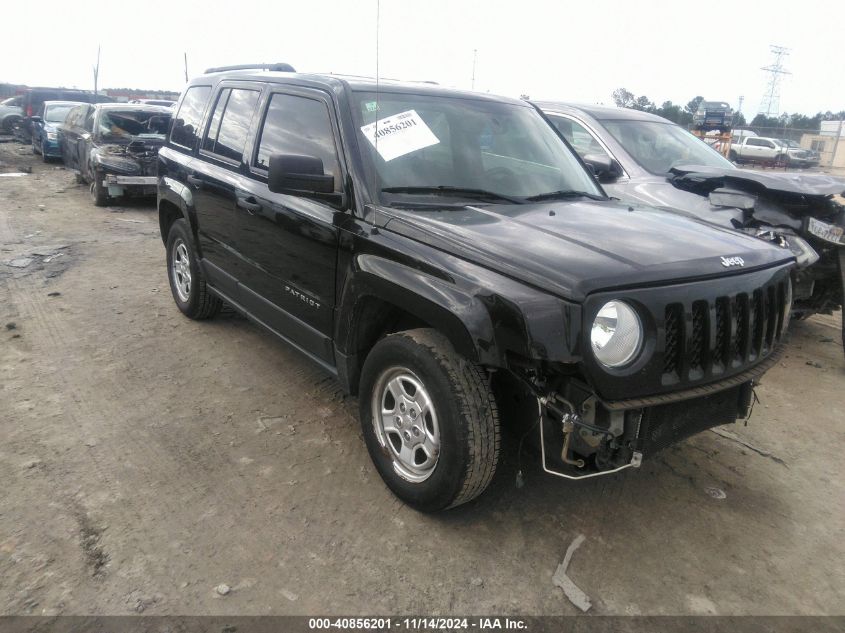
(770, 104)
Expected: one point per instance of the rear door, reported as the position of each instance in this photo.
(288, 243)
(214, 180)
(69, 135)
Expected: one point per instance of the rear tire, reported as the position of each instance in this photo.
(436, 442)
(187, 284)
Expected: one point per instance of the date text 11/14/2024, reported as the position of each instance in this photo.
(417, 624)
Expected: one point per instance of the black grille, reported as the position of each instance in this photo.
(674, 313)
(698, 338)
(744, 327)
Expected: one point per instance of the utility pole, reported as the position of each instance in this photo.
(97, 70)
(770, 104)
(186, 67)
(474, 60)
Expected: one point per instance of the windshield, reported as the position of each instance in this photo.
(658, 147)
(788, 143)
(475, 145)
(118, 126)
(57, 113)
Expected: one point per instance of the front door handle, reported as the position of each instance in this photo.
(249, 203)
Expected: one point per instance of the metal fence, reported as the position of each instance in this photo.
(829, 142)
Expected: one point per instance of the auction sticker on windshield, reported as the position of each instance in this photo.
(399, 134)
(826, 231)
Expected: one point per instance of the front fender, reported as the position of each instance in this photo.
(488, 317)
(173, 194)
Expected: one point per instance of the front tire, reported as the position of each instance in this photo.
(99, 193)
(429, 420)
(187, 284)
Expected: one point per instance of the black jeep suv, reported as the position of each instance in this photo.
(447, 256)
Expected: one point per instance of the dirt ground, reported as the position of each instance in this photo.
(146, 459)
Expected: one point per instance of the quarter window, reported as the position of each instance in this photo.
(187, 120)
(230, 123)
(298, 125)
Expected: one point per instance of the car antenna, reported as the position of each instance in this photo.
(375, 130)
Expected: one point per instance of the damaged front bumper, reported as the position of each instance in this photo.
(581, 441)
(113, 180)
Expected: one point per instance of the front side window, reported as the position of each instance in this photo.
(187, 121)
(298, 125)
(657, 147)
(579, 137)
(429, 142)
(73, 116)
(227, 136)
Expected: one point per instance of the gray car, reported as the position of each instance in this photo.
(643, 158)
(10, 113)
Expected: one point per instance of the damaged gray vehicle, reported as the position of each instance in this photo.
(641, 157)
(113, 148)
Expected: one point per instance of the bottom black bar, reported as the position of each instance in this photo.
(533, 624)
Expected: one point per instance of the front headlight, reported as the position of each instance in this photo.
(52, 136)
(616, 335)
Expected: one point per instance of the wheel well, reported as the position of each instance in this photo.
(374, 319)
(168, 213)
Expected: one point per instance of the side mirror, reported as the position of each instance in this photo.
(295, 173)
(605, 168)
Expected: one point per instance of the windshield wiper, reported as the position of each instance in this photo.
(463, 192)
(564, 194)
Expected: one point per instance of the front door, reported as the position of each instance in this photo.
(288, 243)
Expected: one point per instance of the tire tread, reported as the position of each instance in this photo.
(478, 407)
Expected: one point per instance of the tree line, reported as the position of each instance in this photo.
(682, 114)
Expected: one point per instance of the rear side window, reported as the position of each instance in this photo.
(187, 120)
(230, 123)
(298, 125)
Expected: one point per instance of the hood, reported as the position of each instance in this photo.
(782, 182)
(573, 248)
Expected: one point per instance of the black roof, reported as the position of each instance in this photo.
(602, 113)
(332, 81)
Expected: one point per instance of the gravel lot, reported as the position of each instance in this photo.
(146, 459)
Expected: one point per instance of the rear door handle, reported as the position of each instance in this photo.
(193, 180)
(249, 203)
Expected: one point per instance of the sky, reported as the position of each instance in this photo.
(556, 50)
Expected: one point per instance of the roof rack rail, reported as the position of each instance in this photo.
(282, 67)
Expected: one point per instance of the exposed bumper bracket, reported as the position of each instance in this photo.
(636, 458)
